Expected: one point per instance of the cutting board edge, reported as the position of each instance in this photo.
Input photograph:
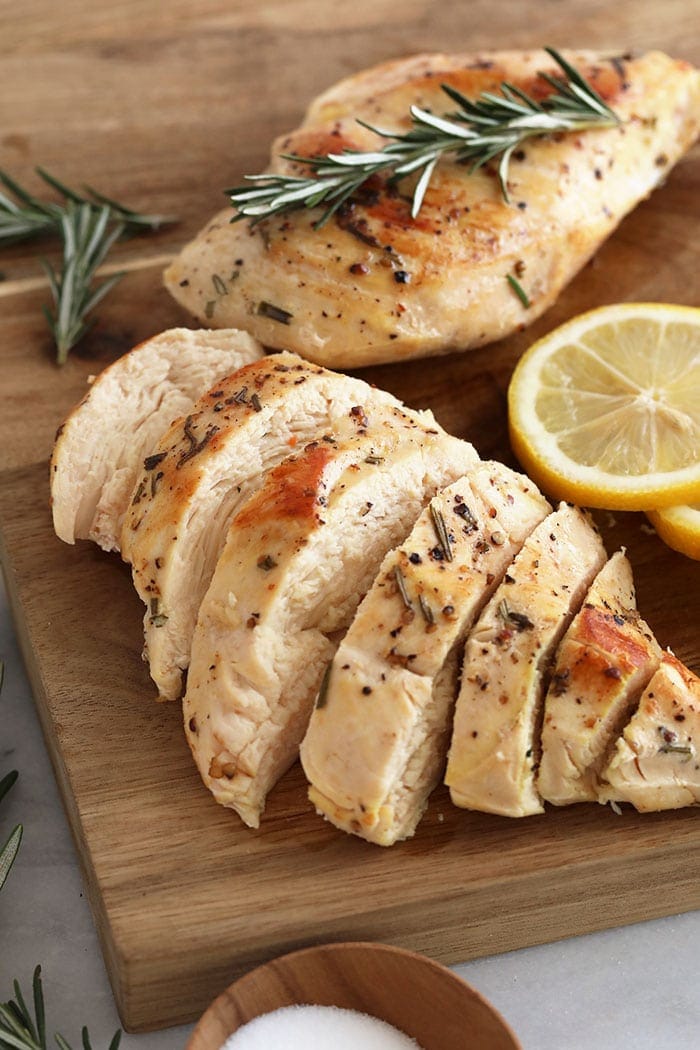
(488, 932)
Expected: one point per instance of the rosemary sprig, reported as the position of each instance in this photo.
(479, 131)
(86, 241)
(20, 1031)
(27, 217)
(88, 225)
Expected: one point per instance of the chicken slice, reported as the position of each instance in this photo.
(605, 660)
(656, 762)
(298, 558)
(495, 742)
(376, 744)
(375, 284)
(207, 464)
(101, 446)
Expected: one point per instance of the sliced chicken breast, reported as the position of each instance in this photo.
(494, 752)
(374, 284)
(656, 762)
(203, 469)
(298, 558)
(101, 446)
(376, 743)
(605, 660)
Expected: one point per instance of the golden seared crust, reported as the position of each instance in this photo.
(604, 662)
(204, 468)
(191, 442)
(495, 742)
(655, 764)
(298, 557)
(371, 285)
(376, 747)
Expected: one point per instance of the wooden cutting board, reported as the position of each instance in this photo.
(163, 106)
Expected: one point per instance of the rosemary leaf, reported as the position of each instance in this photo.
(39, 1009)
(25, 217)
(7, 782)
(322, 698)
(481, 130)
(401, 584)
(23, 1012)
(13, 1034)
(9, 852)
(518, 289)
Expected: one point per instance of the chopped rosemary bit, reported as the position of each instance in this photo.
(139, 494)
(275, 313)
(151, 462)
(156, 617)
(518, 289)
(463, 511)
(195, 446)
(401, 584)
(426, 610)
(441, 532)
(155, 481)
(520, 621)
(322, 698)
(676, 749)
(209, 307)
(374, 459)
(255, 402)
(220, 285)
(479, 131)
(267, 563)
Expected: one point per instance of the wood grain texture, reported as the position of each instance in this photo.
(164, 107)
(414, 994)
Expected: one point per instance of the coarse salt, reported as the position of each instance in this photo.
(318, 1028)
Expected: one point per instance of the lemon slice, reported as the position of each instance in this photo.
(679, 527)
(605, 410)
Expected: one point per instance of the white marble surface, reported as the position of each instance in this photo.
(634, 987)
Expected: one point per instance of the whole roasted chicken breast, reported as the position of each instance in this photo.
(375, 284)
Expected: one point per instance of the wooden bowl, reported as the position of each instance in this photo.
(416, 995)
